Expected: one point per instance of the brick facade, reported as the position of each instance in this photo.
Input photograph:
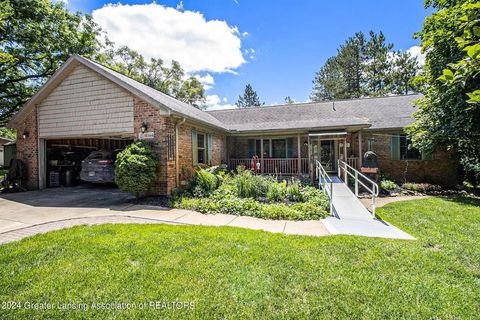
(163, 127)
(442, 169)
(27, 149)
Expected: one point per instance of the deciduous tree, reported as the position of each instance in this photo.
(449, 113)
(36, 37)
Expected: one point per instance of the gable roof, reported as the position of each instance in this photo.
(144, 92)
(393, 112)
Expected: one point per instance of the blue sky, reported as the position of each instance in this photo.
(277, 46)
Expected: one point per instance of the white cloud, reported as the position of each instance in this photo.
(416, 51)
(213, 102)
(207, 81)
(186, 36)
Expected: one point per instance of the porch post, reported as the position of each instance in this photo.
(360, 149)
(261, 155)
(345, 150)
(310, 165)
(299, 156)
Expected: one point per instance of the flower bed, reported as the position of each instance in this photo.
(214, 191)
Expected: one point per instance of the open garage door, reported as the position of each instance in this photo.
(63, 158)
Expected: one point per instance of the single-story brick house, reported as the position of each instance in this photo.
(86, 106)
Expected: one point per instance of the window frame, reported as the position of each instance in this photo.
(203, 149)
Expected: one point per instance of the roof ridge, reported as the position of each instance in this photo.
(313, 102)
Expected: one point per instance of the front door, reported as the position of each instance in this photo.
(324, 151)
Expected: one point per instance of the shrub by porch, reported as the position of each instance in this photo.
(252, 195)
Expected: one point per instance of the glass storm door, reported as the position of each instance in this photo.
(324, 151)
(327, 154)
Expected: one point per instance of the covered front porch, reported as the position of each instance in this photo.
(295, 154)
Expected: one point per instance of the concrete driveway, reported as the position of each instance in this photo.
(28, 213)
(23, 209)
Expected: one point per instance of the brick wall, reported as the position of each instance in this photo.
(27, 149)
(442, 170)
(163, 126)
(185, 152)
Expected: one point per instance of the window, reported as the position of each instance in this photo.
(371, 145)
(272, 148)
(279, 148)
(401, 149)
(407, 152)
(201, 147)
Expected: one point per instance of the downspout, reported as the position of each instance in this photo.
(177, 169)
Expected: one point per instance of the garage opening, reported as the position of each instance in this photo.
(65, 158)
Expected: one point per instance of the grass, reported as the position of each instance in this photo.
(236, 273)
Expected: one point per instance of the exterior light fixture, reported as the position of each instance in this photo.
(144, 127)
(305, 143)
(25, 134)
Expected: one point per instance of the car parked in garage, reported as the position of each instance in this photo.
(98, 167)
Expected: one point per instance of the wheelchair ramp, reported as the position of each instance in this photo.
(351, 217)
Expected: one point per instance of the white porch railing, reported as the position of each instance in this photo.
(325, 183)
(368, 184)
(277, 166)
(353, 162)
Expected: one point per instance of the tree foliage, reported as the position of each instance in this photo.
(289, 100)
(135, 168)
(249, 98)
(171, 80)
(365, 66)
(36, 37)
(449, 113)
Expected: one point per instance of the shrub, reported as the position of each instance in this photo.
(276, 191)
(135, 168)
(225, 200)
(245, 185)
(249, 185)
(204, 183)
(388, 185)
(293, 191)
(421, 187)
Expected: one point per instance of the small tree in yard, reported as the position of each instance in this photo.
(135, 168)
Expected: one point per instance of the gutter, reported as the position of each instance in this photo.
(177, 169)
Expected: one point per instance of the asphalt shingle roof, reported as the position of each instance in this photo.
(374, 113)
(171, 103)
(377, 113)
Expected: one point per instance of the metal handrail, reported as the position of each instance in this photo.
(356, 175)
(325, 183)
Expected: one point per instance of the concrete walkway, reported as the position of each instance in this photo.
(351, 217)
(28, 213)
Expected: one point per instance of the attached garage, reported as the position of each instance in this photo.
(64, 158)
(84, 113)
(87, 107)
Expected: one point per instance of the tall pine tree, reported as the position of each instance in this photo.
(365, 66)
(249, 98)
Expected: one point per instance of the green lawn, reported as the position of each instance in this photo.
(236, 273)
